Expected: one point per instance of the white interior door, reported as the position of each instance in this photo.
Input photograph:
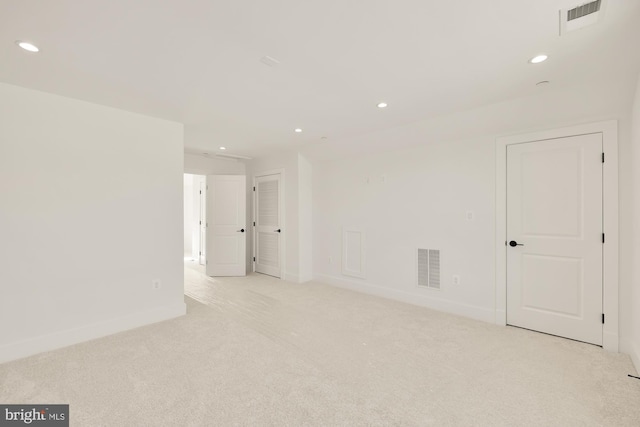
(554, 232)
(268, 228)
(203, 223)
(226, 228)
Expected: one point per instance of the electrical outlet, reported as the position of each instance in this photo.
(330, 260)
(469, 215)
(156, 284)
(456, 279)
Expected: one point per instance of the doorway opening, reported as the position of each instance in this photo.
(195, 218)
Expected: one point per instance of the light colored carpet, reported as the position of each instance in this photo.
(260, 351)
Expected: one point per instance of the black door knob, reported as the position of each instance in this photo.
(241, 230)
(513, 244)
(278, 230)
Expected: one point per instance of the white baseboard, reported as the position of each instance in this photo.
(633, 350)
(305, 278)
(610, 341)
(89, 332)
(290, 277)
(439, 304)
(635, 357)
(297, 278)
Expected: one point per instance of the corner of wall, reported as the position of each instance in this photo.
(632, 349)
(138, 204)
(631, 345)
(60, 339)
(305, 219)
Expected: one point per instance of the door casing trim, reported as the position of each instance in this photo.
(281, 207)
(609, 130)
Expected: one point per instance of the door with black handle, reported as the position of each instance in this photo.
(268, 232)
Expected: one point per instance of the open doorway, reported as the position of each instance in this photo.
(195, 218)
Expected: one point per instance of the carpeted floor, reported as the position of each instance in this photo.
(258, 351)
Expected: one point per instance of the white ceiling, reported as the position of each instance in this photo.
(198, 61)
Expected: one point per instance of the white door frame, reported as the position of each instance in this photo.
(283, 223)
(609, 130)
(202, 222)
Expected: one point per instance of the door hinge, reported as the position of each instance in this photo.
(254, 188)
(254, 223)
(254, 259)
(602, 237)
(603, 318)
(602, 157)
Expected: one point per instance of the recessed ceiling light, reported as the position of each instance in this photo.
(538, 59)
(28, 46)
(223, 148)
(297, 130)
(382, 105)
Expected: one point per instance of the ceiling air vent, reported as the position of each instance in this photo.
(429, 268)
(581, 16)
(584, 10)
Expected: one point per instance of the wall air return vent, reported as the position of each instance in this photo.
(581, 16)
(429, 268)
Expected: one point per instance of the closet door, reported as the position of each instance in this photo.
(268, 227)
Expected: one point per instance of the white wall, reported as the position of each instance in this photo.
(408, 199)
(305, 219)
(200, 165)
(425, 176)
(91, 213)
(634, 340)
(626, 196)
